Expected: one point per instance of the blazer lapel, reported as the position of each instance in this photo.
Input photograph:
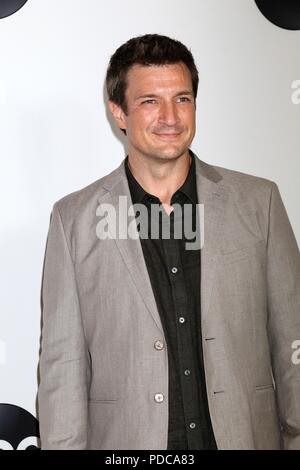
(214, 196)
(131, 249)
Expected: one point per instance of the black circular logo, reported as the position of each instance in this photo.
(19, 430)
(282, 13)
(8, 7)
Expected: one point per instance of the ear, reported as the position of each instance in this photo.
(118, 114)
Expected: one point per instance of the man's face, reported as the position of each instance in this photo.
(160, 120)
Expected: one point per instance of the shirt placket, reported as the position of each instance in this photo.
(183, 321)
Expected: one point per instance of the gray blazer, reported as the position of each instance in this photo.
(99, 367)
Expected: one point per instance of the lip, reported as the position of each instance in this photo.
(168, 136)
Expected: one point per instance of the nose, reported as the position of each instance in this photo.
(168, 114)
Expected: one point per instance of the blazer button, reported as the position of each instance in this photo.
(159, 345)
(158, 397)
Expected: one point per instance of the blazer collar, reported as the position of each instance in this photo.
(203, 170)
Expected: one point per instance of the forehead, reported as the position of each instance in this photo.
(140, 77)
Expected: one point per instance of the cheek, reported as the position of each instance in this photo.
(141, 121)
(189, 117)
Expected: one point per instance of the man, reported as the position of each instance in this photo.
(151, 342)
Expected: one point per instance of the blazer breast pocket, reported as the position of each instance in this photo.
(104, 401)
(259, 388)
(243, 252)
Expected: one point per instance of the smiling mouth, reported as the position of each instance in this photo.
(167, 136)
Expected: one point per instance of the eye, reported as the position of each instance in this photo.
(184, 99)
(149, 101)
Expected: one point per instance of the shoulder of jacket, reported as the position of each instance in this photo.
(244, 184)
(74, 203)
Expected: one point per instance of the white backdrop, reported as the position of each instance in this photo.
(55, 136)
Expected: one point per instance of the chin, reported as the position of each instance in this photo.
(171, 153)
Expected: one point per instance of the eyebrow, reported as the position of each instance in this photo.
(152, 95)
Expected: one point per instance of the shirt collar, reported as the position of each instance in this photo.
(189, 187)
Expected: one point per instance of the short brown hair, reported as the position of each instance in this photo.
(150, 49)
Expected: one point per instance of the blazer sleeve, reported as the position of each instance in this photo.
(283, 290)
(64, 361)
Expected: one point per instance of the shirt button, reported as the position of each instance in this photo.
(159, 345)
(181, 319)
(174, 270)
(187, 372)
(158, 397)
(192, 425)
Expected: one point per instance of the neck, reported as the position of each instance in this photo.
(161, 178)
